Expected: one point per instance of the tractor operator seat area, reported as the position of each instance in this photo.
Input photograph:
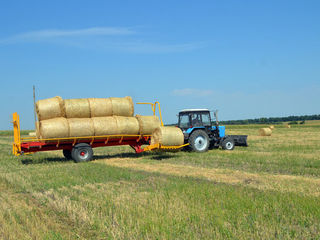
(194, 118)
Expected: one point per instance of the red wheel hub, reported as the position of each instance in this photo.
(82, 153)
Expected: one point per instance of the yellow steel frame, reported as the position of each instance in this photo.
(16, 146)
(158, 146)
(153, 107)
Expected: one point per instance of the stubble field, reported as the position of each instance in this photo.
(269, 190)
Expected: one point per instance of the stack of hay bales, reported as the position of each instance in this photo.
(60, 118)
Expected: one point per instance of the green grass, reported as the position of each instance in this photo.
(269, 190)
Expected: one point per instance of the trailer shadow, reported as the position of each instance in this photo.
(151, 155)
(158, 156)
(44, 160)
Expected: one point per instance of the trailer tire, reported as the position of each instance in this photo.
(67, 153)
(199, 141)
(82, 152)
(227, 144)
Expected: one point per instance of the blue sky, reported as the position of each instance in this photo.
(248, 59)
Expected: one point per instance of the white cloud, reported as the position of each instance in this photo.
(54, 33)
(100, 38)
(192, 92)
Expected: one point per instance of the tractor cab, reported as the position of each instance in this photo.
(190, 118)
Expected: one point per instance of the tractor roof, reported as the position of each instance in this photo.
(194, 110)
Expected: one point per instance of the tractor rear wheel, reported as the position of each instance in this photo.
(82, 152)
(199, 141)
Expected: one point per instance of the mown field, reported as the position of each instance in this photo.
(270, 190)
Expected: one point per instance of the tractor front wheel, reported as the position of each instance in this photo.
(199, 141)
(227, 144)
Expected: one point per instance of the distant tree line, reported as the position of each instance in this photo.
(273, 120)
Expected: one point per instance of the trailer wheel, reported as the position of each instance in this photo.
(82, 152)
(199, 141)
(67, 153)
(227, 144)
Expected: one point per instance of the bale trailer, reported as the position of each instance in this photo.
(80, 148)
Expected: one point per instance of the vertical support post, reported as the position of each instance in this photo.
(16, 146)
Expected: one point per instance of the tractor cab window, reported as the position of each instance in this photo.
(206, 119)
(196, 119)
(184, 121)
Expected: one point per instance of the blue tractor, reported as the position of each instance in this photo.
(201, 134)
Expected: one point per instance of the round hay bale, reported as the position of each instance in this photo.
(147, 124)
(100, 107)
(105, 126)
(77, 108)
(127, 125)
(265, 132)
(80, 127)
(271, 127)
(288, 126)
(167, 136)
(54, 128)
(50, 108)
(122, 106)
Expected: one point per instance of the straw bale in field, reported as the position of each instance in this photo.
(288, 126)
(122, 106)
(77, 108)
(100, 107)
(32, 134)
(147, 124)
(50, 108)
(80, 127)
(105, 126)
(271, 127)
(265, 132)
(54, 128)
(167, 136)
(127, 125)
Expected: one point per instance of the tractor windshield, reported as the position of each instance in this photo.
(184, 121)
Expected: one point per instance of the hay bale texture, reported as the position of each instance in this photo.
(271, 127)
(265, 132)
(77, 108)
(84, 107)
(122, 106)
(50, 108)
(89, 117)
(127, 125)
(54, 128)
(167, 136)
(100, 107)
(105, 126)
(80, 127)
(147, 124)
